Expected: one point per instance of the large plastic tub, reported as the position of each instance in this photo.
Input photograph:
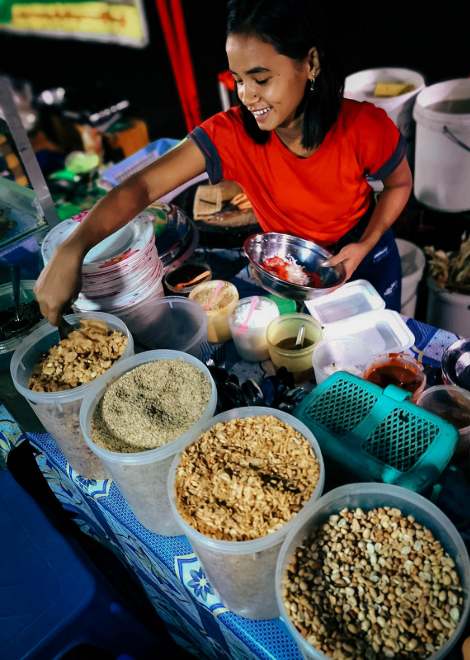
(142, 476)
(59, 411)
(369, 496)
(243, 571)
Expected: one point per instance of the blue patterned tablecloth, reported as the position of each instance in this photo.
(166, 566)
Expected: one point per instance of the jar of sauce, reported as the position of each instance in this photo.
(218, 298)
(400, 370)
(282, 335)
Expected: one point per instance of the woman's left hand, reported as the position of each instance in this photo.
(350, 256)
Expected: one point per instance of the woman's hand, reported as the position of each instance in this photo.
(59, 282)
(350, 256)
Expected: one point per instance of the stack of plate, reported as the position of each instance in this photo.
(121, 275)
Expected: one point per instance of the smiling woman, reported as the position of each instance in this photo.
(301, 152)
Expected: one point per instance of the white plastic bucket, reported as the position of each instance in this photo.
(413, 262)
(448, 309)
(360, 87)
(442, 152)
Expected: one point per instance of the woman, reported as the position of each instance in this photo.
(299, 150)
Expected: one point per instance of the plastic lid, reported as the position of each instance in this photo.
(351, 299)
(383, 331)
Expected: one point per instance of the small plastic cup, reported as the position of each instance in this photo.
(343, 354)
(282, 334)
(179, 324)
(248, 325)
(188, 270)
(453, 404)
(243, 571)
(142, 476)
(59, 411)
(370, 496)
(397, 369)
(218, 299)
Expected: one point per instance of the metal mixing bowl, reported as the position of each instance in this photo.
(306, 253)
(455, 364)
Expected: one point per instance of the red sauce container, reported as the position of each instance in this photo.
(397, 369)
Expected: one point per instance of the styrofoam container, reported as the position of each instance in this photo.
(369, 496)
(351, 299)
(59, 411)
(142, 476)
(243, 571)
(356, 310)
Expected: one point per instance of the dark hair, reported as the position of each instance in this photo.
(293, 27)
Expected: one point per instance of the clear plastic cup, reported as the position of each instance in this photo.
(179, 324)
(218, 298)
(343, 354)
(59, 411)
(243, 571)
(369, 496)
(142, 476)
(453, 404)
(282, 334)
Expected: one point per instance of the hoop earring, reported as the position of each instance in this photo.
(312, 85)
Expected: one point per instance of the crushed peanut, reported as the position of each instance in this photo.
(373, 584)
(245, 478)
(84, 355)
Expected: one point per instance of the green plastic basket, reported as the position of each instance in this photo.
(377, 434)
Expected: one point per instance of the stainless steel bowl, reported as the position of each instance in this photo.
(455, 364)
(306, 253)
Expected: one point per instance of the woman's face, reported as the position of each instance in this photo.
(270, 85)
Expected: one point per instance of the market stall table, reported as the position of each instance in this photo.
(166, 566)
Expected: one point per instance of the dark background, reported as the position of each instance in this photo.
(434, 41)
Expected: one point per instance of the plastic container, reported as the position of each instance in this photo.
(179, 324)
(400, 370)
(455, 364)
(243, 571)
(361, 85)
(7, 346)
(352, 299)
(142, 476)
(413, 262)
(448, 310)
(282, 334)
(369, 496)
(442, 165)
(453, 404)
(248, 324)
(59, 411)
(185, 273)
(218, 298)
(345, 354)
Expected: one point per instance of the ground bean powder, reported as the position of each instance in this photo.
(150, 406)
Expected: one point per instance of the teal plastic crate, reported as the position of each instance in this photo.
(376, 433)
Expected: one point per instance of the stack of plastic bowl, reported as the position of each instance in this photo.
(243, 571)
(59, 411)
(121, 275)
(370, 496)
(142, 476)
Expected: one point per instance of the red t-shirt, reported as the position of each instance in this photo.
(320, 197)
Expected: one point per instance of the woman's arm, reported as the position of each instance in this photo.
(391, 202)
(59, 282)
